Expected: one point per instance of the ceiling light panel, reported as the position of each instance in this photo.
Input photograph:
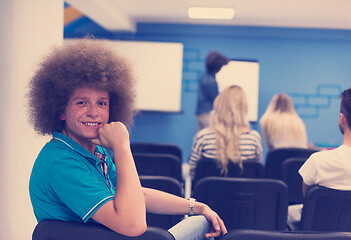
(210, 13)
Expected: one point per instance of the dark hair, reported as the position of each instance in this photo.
(215, 61)
(86, 63)
(345, 106)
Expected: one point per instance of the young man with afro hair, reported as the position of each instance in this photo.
(83, 96)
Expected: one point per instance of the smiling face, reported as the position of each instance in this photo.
(87, 110)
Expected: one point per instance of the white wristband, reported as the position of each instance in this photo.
(191, 206)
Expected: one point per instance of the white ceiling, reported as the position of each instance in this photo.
(122, 15)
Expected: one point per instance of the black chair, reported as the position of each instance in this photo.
(276, 157)
(245, 234)
(62, 230)
(165, 148)
(207, 167)
(290, 175)
(246, 203)
(158, 165)
(166, 184)
(326, 209)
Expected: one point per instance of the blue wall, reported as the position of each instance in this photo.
(312, 65)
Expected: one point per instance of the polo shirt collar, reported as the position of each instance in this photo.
(76, 147)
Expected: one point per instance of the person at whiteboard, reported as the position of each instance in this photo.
(83, 96)
(281, 126)
(208, 88)
(229, 137)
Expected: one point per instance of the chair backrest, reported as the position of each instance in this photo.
(165, 184)
(290, 175)
(165, 148)
(62, 230)
(158, 165)
(245, 203)
(207, 167)
(276, 157)
(326, 209)
(245, 234)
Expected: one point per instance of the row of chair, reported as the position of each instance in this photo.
(272, 169)
(61, 230)
(245, 234)
(168, 157)
(257, 205)
(288, 173)
(262, 204)
(168, 165)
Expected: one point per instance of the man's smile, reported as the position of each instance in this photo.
(91, 124)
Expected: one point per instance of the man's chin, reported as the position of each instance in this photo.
(92, 136)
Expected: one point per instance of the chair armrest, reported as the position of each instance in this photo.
(63, 230)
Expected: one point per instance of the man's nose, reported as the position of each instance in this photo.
(92, 110)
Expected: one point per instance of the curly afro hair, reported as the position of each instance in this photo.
(86, 63)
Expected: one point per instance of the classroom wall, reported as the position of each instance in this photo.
(29, 29)
(312, 65)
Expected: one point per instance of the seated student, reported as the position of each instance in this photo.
(83, 95)
(330, 168)
(281, 126)
(229, 137)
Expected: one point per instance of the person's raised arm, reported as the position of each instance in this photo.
(126, 214)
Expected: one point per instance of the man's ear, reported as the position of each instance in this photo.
(62, 117)
(342, 119)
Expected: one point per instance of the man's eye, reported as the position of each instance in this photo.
(81, 103)
(103, 103)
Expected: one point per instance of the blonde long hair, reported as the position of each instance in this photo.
(280, 118)
(281, 103)
(228, 116)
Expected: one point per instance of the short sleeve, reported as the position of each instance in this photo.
(79, 186)
(309, 170)
(327, 168)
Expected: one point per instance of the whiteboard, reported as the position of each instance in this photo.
(158, 68)
(246, 75)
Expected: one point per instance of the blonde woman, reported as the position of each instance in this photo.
(229, 137)
(281, 126)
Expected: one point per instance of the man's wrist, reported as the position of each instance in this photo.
(191, 206)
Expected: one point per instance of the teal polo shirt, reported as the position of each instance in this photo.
(67, 182)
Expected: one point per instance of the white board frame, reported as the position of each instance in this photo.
(244, 73)
(158, 68)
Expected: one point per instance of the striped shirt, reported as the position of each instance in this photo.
(204, 145)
